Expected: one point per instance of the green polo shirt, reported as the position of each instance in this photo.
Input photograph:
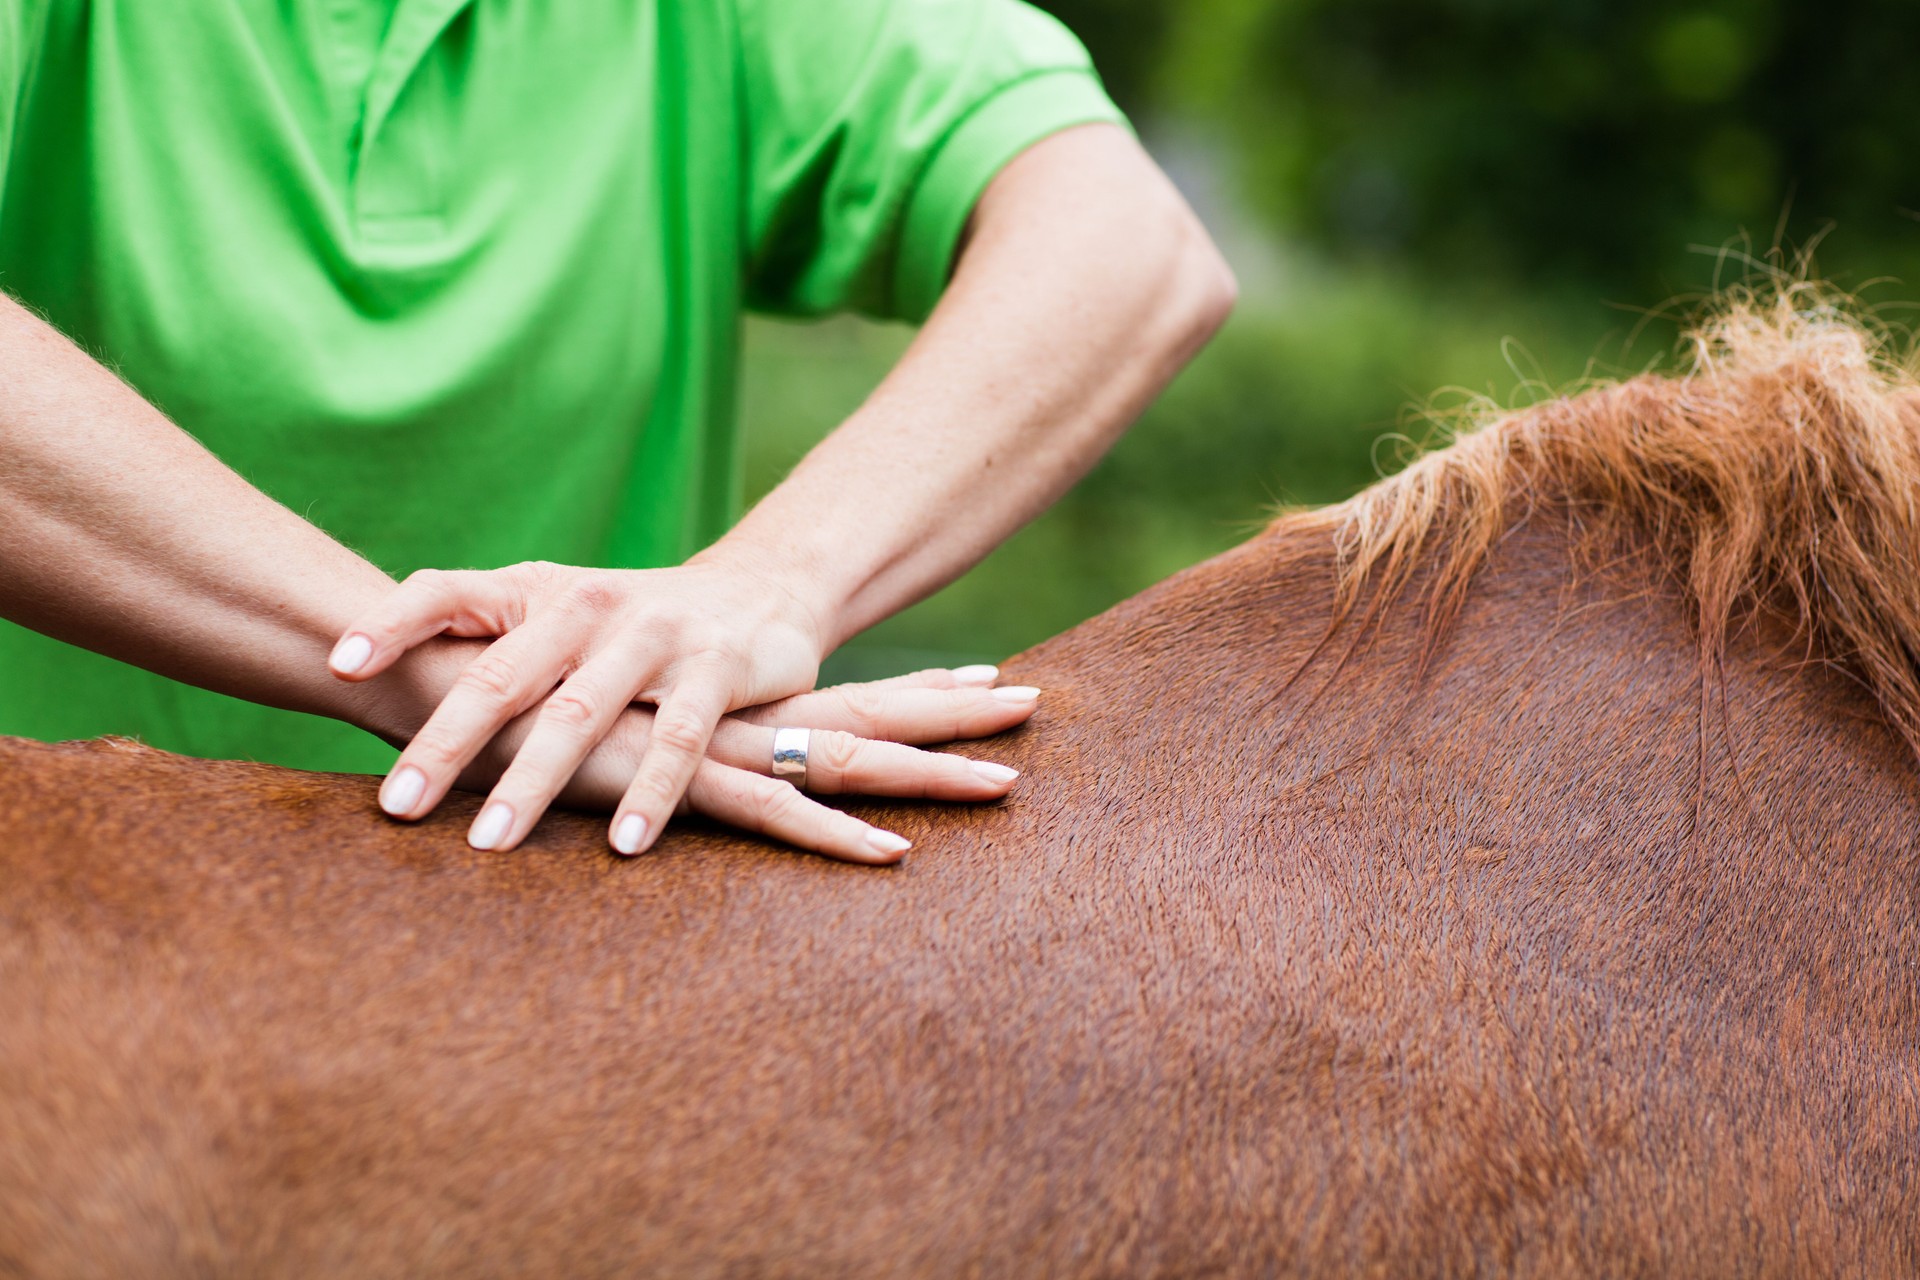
(460, 280)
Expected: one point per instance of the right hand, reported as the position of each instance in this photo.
(864, 742)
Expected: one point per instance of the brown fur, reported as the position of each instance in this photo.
(1507, 954)
(1780, 473)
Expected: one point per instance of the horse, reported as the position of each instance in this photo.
(1513, 870)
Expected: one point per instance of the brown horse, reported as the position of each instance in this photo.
(1566, 925)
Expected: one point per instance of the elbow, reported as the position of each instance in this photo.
(1202, 290)
(1216, 287)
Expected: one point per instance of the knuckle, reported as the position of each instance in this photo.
(650, 625)
(680, 734)
(839, 752)
(534, 570)
(775, 804)
(719, 660)
(713, 644)
(698, 641)
(427, 584)
(490, 678)
(865, 708)
(570, 711)
(592, 593)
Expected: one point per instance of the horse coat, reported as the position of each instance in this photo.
(1509, 872)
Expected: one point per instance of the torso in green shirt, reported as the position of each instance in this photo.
(459, 280)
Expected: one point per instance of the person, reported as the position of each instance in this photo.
(459, 283)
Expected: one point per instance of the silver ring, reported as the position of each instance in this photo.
(790, 755)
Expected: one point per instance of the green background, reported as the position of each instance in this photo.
(1424, 201)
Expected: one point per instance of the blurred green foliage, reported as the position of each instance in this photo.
(1593, 140)
(1484, 195)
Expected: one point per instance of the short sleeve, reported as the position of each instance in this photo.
(12, 62)
(873, 127)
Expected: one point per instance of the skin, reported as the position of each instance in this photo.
(1085, 284)
(122, 534)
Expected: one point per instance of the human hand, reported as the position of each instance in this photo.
(696, 641)
(856, 748)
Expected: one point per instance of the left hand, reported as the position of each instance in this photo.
(696, 641)
(863, 740)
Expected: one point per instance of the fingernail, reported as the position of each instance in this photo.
(628, 834)
(490, 828)
(979, 674)
(1017, 693)
(351, 654)
(885, 842)
(402, 790)
(997, 774)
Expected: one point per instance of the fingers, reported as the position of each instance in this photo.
(773, 808)
(512, 674)
(429, 602)
(575, 718)
(682, 727)
(981, 675)
(903, 713)
(841, 764)
(856, 747)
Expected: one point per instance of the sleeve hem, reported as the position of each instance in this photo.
(1003, 125)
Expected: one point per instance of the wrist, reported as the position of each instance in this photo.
(789, 589)
(397, 702)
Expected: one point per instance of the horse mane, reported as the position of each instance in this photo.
(1778, 473)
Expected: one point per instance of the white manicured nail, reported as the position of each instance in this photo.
(351, 654)
(997, 774)
(490, 828)
(629, 833)
(402, 790)
(1017, 693)
(979, 674)
(885, 842)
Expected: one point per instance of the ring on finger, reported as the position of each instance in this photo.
(790, 755)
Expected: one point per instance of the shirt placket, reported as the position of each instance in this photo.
(398, 185)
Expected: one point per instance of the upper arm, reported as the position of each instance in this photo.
(873, 126)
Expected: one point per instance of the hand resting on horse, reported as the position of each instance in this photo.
(859, 746)
(696, 641)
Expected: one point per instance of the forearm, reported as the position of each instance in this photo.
(119, 532)
(1085, 287)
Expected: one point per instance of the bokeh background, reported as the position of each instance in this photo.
(1425, 201)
